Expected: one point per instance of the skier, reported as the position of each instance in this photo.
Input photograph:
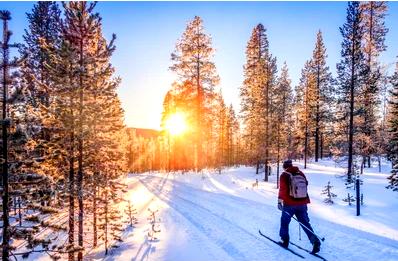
(292, 200)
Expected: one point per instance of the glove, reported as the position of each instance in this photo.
(280, 204)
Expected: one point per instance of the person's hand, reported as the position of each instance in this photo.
(280, 204)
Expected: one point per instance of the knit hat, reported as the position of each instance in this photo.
(287, 164)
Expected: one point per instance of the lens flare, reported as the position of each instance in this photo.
(176, 124)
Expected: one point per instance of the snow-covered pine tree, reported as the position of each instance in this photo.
(323, 93)
(81, 30)
(45, 156)
(85, 110)
(104, 119)
(329, 194)
(258, 85)
(109, 214)
(44, 25)
(373, 16)
(349, 199)
(350, 75)
(14, 137)
(192, 63)
(44, 29)
(130, 211)
(283, 99)
(393, 131)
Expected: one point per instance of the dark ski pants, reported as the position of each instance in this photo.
(301, 214)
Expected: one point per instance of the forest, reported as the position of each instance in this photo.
(66, 149)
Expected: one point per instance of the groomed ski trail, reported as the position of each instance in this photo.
(201, 225)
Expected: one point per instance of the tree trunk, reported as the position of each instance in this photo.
(5, 198)
(305, 147)
(351, 114)
(71, 182)
(266, 130)
(106, 221)
(317, 120)
(278, 159)
(80, 158)
(321, 152)
(198, 151)
(95, 216)
(368, 158)
(257, 167)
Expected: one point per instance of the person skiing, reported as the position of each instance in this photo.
(292, 200)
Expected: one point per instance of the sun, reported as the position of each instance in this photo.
(176, 124)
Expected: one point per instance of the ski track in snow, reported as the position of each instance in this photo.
(208, 213)
(217, 228)
(212, 217)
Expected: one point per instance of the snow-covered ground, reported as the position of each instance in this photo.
(214, 216)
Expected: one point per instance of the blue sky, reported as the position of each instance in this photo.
(147, 33)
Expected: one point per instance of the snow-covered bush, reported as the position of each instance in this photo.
(329, 194)
(153, 222)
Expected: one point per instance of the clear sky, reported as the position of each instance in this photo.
(147, 33)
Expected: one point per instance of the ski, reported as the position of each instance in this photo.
(280, 244)
(308, 251)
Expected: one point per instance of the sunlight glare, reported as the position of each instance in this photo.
(176, 124)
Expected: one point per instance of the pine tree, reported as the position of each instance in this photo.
(13, 136)
(305, 104)
(232, 133)
(81, 30)
(323, 92)
(329, 194)
(221, 131)
(192, 62)
(350, 74)
(44, 25)
(256, 103)
(373, 15)
(61, 121)
(85, 114)
(283, 100)
(393, 131)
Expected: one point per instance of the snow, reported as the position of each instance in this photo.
(213, 216)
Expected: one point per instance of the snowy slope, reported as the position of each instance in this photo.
(216, 217)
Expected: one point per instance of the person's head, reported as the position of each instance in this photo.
(287, 164)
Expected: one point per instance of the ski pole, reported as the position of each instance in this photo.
(312, 232)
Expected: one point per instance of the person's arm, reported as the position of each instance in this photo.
(283, 187)
(282, 191)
